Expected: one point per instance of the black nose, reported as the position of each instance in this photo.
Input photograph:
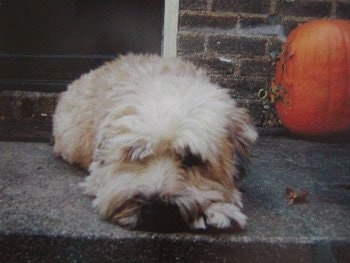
(161, 217)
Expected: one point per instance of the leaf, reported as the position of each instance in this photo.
(296, 197)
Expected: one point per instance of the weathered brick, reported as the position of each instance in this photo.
(27, 108)
(7, 106)
(193, 5)
(236, 45)
(274, 47)
(343, 9)
(304, 8)
(27, 105)
(273, 19)
(255, 67)
(213, 65)
(189, 43)
(248, 87)
(252, 21)
(246, 6)
(289, 25)
(254, 107)
(207, 20)
(245, 87)
(38, 107)
(46, 105)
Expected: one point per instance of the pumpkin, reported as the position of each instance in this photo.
(311, 89)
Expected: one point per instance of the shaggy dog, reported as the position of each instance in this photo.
(151, 128)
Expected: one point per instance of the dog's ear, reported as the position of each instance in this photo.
(242, 135)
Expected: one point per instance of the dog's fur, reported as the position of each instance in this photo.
(151, 128)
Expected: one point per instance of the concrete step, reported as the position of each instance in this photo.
(44, 217)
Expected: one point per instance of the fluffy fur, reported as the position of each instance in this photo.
(151, 128)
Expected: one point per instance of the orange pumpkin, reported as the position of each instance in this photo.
(311, 88)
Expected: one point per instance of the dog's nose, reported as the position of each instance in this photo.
(158, 216)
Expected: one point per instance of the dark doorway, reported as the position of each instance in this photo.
(46, 43)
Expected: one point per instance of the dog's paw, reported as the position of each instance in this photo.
(130, 221)
(222, 215)
(118, 209)
(199, 223)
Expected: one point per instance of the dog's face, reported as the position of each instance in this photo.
(181, 150)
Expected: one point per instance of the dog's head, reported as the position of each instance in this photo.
(182, 146)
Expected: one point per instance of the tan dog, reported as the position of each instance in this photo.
(151, 128)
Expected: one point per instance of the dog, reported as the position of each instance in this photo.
(151, 129)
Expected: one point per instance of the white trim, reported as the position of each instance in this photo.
(171, 17)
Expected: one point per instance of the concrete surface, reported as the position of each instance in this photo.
(45, 218)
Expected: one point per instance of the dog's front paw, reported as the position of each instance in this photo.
(222, 215)
(199, 223)
(118, 209)
(129, 221)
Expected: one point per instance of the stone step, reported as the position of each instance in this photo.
(44, 217)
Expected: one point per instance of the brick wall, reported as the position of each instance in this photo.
(237, 41)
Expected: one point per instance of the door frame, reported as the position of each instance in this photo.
(170, 27)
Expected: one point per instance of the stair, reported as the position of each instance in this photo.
(44, 217)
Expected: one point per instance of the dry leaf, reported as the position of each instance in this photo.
(295, 197)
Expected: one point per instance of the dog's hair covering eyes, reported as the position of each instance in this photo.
(190, 159)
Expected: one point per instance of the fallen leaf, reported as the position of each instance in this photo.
(296, 197)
